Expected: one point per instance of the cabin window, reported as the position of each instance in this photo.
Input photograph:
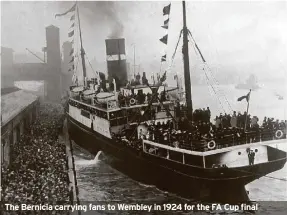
(85, 114)
(176, 156)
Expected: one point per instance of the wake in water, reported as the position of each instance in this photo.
(79, 160)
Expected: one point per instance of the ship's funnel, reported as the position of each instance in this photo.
(116, 62)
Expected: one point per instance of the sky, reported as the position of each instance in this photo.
(235, 37)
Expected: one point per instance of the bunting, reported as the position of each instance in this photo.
(166, 10)
(72, 60)
(163, 58)
(164, 39)
(72, 18)
(72, 9)
(71, 33)
(165, 24)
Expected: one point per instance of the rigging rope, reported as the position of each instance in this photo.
(208, 80)
(96, 73)
(205, 63)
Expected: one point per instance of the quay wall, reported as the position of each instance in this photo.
(73, 187)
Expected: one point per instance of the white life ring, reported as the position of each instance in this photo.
(278, 134)
(211, 144)
(132, 101)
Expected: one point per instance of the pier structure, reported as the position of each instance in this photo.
(19, 110)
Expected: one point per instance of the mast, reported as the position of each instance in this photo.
(186, 66)
(82, 50)
(134, 60)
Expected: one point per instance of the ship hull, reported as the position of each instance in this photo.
(220, 185)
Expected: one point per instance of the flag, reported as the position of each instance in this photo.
(72, 60)
(71, 10)
(73, 25)
(164, 39)
(72, 17)
(244, 97)
(163, 58)
(71, 52)
(165, 24)
(166, 10)
(71, 33)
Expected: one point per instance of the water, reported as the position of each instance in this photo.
(98, 181)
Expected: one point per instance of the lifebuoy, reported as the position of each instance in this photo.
(132, 101)
(211, 144)
(278, 134)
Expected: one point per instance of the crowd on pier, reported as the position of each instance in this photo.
(38, 168)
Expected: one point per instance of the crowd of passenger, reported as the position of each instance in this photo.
(226, 129)
(38, 166)
(141, 98)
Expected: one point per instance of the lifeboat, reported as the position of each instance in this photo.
(105, 97)
(77, 89)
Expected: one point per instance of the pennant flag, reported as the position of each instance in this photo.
(166, 10)
(71, 33)
(71, 52)
(73, 25)
(71, 10)
(72, 60)
(72, 17)
(164, 39)
(244, 97)
(163, 58)
(165, 24)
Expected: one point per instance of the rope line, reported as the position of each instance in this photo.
(207, 66)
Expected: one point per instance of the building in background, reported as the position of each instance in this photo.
(54, 63)
(49, 72)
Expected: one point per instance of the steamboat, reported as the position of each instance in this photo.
(151, 133)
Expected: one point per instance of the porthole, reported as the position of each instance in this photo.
(239, 153)
(256, 150)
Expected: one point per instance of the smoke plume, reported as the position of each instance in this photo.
(108, 13)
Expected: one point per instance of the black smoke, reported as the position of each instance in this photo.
(107, 13)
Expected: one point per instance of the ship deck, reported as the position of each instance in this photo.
(118, 108)
(217, 151)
